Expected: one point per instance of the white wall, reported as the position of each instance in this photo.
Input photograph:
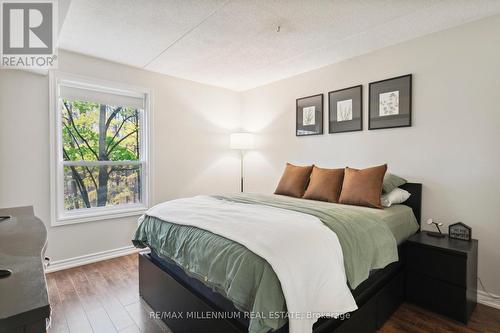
(453, 147)
(190, 146)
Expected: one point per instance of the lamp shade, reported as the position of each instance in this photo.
(242, 141)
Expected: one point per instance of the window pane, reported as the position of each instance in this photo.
(99, 132)
(99, 186)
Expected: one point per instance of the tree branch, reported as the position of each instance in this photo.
(81, 154)
(74, 140)
(79, 181)
(77, 132)
(118, 130)
(120, 141)
(112, 116)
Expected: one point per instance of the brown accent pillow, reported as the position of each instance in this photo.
(294, 180)
(363, 187)
(325, 184)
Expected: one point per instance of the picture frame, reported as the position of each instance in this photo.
(309, 115)
(460, 231)
(390, 103)
(345, 110)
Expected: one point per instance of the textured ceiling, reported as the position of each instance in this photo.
(235, 44)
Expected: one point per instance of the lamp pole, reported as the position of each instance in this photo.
(241, 141)
(242, 154)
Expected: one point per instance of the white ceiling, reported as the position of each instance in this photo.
(234, 43)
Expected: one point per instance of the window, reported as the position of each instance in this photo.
(100, 150)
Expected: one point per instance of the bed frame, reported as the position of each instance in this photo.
(168, 296)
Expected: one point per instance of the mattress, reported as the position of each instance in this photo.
(400, 220)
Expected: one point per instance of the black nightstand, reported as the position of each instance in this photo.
(442, 275)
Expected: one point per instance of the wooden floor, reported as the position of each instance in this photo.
(104, 297)
(100, 297)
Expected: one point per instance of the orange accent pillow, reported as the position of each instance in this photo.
(325, 184)
(363, 187)
(294, 181)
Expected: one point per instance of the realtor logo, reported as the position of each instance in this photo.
(28, 34)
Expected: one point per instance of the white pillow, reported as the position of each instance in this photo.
(396, 196)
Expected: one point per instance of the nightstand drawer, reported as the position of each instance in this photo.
(435, 295)
(438, 264)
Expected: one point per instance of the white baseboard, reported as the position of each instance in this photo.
(90, 258)
(486, 299)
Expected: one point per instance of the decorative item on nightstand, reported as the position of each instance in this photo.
(433, 233)
(460, 231)
(242, 142)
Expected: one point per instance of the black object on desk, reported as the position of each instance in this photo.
(442, 275)
(24, 302)
(5, 273)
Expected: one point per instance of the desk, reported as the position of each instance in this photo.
(24, 303)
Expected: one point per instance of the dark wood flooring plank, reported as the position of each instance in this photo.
(142, 318)
(128, 282)
(131, 329)
(115, 310)
(58, 322)
(413, 319)
(96, 314)
(73, 309)
(100, 321)
(485, 319)
(116, 279)
(100, 294)
(85, 291)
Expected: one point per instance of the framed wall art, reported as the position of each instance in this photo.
(345, 110)
(390, 103)
(309, 115)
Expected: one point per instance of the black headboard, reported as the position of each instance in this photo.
(415, 199)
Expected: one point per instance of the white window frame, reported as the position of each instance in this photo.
(58, 215)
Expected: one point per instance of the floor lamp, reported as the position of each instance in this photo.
(242, 142)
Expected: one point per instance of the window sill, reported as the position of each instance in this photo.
(104, 214)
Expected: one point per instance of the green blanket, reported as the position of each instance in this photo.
(247, 279)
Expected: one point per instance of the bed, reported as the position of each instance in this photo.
(186, 302)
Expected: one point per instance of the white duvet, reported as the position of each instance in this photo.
(305, 254)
